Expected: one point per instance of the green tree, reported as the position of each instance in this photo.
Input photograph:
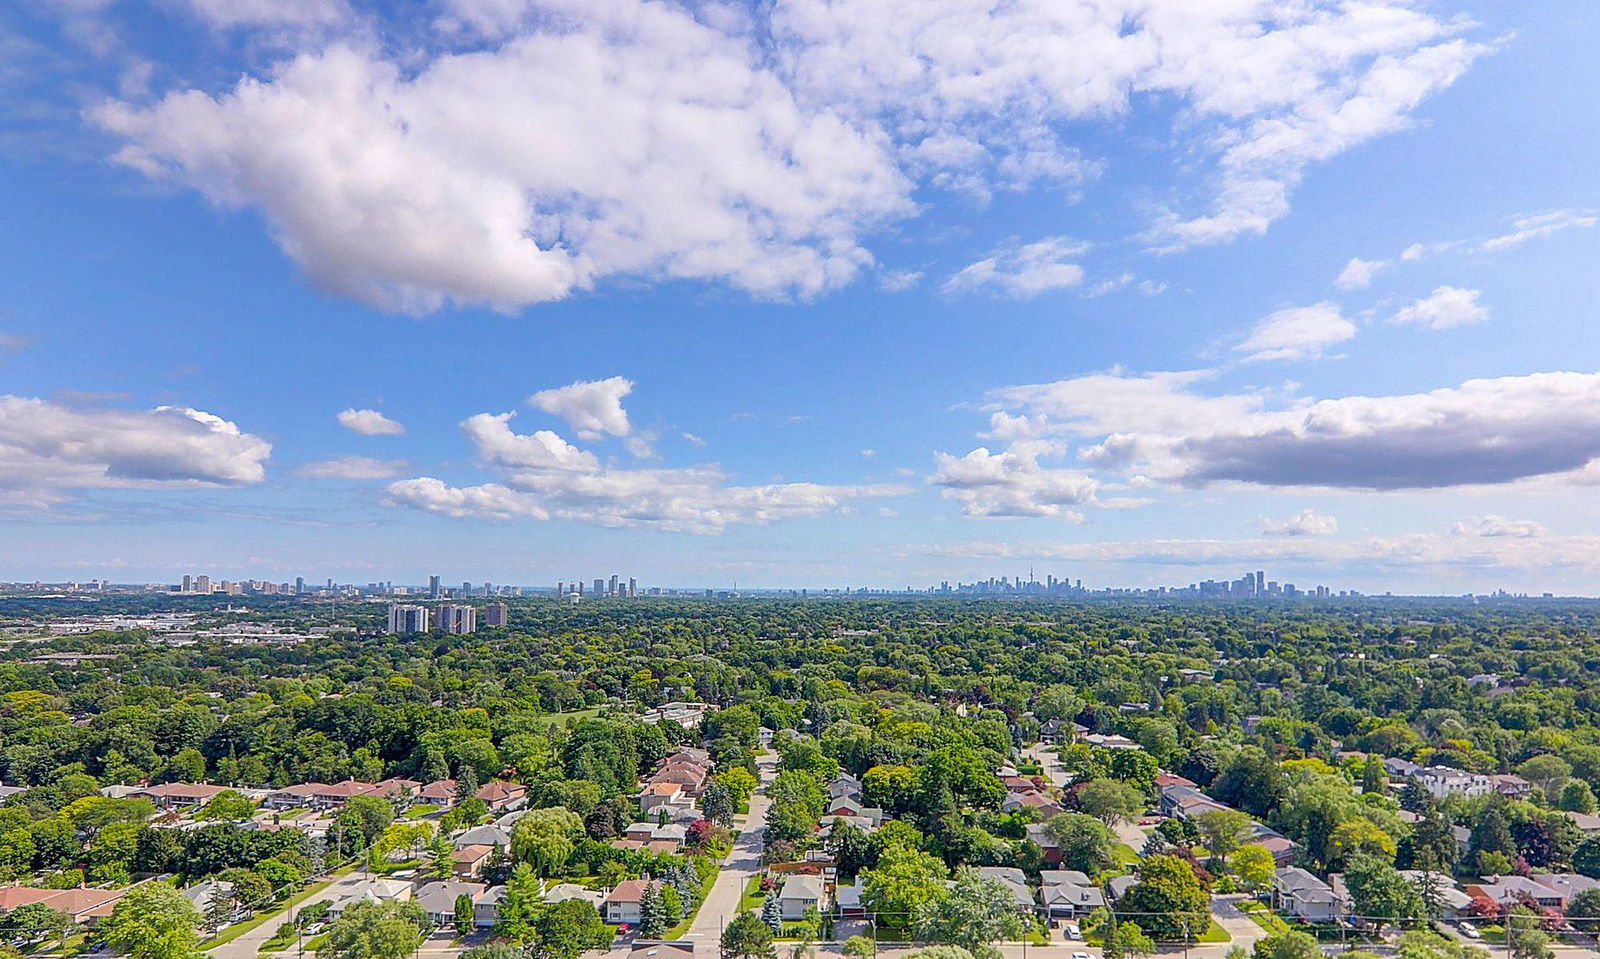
(976, 913)
(153, 921)
(545, 838)
(1087, 844)
(1379, 892)
(567, 929)
(1525, 937)
(1358, 837)
(1253, 865)
(860, 947)
(1169, 899)
(1134, 942)
(904, 882)
(1548, 772)
(463, 914)
(519, 909)
(652, 919)
(227, 806)
(1288, 945)
(1577, 796)
(1110, 801)
(747, 937)
(372, 930)
(1222, 830)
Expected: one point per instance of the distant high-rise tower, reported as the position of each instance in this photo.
(599, 588)
(1261, 583)
(404, 620)
(460, 620)
(496, 614)
(433, 586)
(202, 584)
(633, 587)
(299, 585)
(188, 583)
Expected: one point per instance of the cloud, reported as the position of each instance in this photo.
(498, 446)
(1023, 270)
(1527, 228)
(268, 13)
(648, 145)
(369, 423)
(1445, 307)
(355, 468)
(1483, 432)
(1492, 525)
(695, 440)
(543, 477)
(47, 449)
(592, 407)
(898, 281)
(1297, 333)
(514, 152)
(1358, 273)
(1307, 522)
(1011, 483)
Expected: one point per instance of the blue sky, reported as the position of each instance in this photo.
(811, 293)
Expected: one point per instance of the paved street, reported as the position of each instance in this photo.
(722, 903)
(247, 945)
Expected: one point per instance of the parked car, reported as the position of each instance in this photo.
(1469, 930)
(1073, 931)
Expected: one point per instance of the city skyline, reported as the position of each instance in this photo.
(802, 293)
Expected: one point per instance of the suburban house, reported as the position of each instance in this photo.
(847, 902)
(372, 890)
(501, 796)
(486, 835)
(844, 786)
(1549, 890)
(800, 893)
(1013, 879)
(1305, 896)
(1040, 836)
(650, 832)
(1507, 784)
(855, 809)
(1068, 893)
(563, 891)
(438, 898)
(174, 796)
(486, 908)
(1452, 902)
(440, 792)
(622, 902)
(467, 862)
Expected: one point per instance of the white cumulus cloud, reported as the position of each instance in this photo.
(369, 423)
(1023, 270)
(1445, 307)
(49, 449)
(1307, 522)
(1297, 333)
(592, 407)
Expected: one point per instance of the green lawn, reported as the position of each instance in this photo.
(421, 811)
(1215, 933)
(1126, 855)
(1264, 917)
(753, 896)
(574, 716)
